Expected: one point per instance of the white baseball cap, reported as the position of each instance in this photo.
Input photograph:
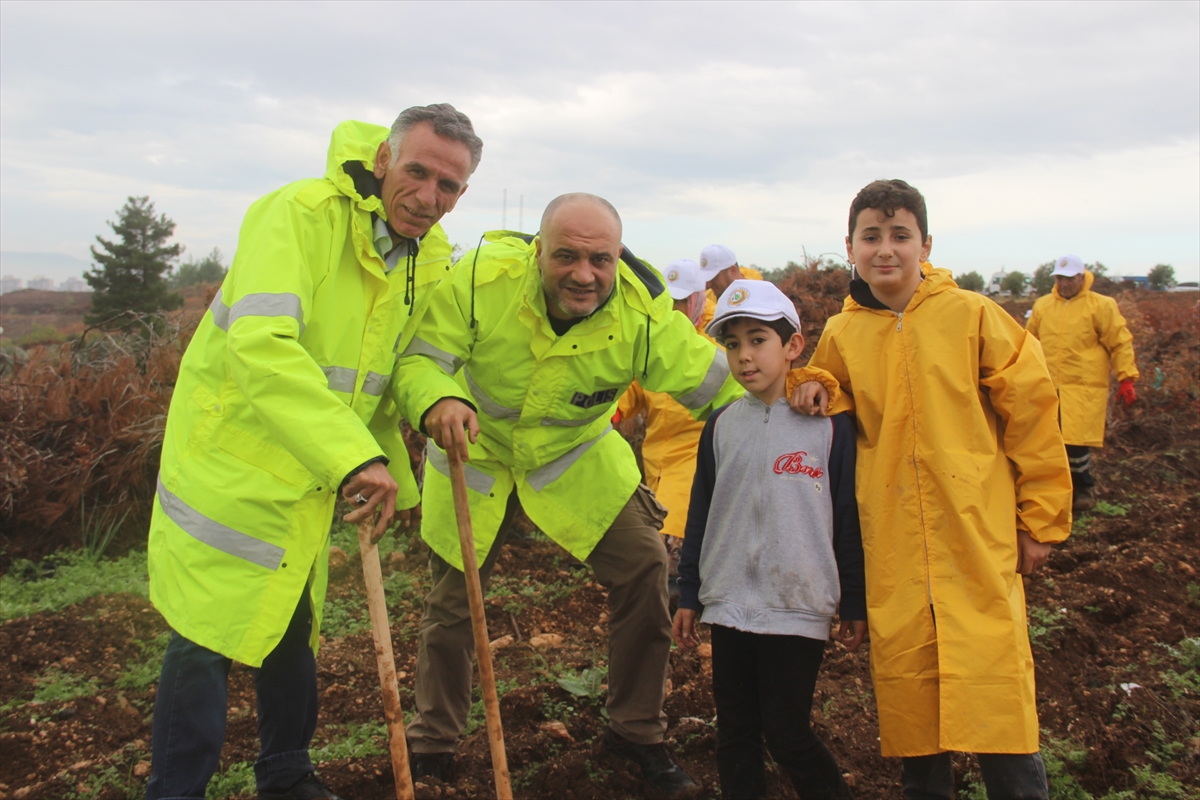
(756, 299)
(714, 258)
(684, 279)
(1068, 266)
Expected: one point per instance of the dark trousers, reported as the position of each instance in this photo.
(1080, 460)
(1005, 776)
(763, 686)
(191, 706)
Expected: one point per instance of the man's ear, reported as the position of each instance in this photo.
(925, 248)
(383, 160)
(537, 246)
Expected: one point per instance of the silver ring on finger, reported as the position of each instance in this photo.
(358, 498)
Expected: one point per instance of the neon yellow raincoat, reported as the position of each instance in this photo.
(281, 393)
(544, 401)
(958, 447)
(1081, 337)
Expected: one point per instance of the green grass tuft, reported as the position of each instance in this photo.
(75, 578)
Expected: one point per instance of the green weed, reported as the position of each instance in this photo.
(235, 780)
(1185, 681)
(144, 672)
(1080, 525)
(1043, 622)
(596, 774)
(57, 686)
(98, 529)
(74, 578)
(1106, 509)
(477, 717)
(1193, 590)
(345, 616)
(588, 683)
(361, 740)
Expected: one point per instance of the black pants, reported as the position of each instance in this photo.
(192, 703)
(763, 685)
(1081, 467)
(1005, 776)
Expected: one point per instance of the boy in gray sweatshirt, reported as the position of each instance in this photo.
(771, 549)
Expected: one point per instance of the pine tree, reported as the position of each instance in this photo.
(129, 274)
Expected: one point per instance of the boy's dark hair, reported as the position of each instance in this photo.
(781, 326)
(887, 196)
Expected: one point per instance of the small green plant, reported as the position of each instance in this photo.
(58, 686)
(588, 683)
(141, 674)
(595, 773)
(1106, 509)
(70, 578)
(1193, 590)
(345, 617)
(1043, 622)
(1184, 681)
(1080, 525)
(98, 529)
(234, 780)
(477, 716)
(121, 782)
(361, 740)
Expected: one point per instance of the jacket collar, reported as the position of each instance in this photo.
(933, 281)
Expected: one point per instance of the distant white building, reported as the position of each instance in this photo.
(10, 283)
(43, 284)
(74, 284)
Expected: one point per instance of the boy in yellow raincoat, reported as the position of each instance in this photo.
(672, 434)
(962, 487)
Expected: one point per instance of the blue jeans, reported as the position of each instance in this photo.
(1005, 776)
(192, 702)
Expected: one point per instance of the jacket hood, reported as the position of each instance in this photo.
(1088, 280)
(934, 282)
(351, 160)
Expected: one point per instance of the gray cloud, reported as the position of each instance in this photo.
(700, 121)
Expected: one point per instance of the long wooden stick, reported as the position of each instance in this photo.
(483, 653)
(382, 633)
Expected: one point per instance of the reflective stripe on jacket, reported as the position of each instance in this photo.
(281, 393)
(544, 401)
(1081, 337)
(958, 447)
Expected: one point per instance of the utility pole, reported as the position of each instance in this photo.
(521, 216)
(504, 212)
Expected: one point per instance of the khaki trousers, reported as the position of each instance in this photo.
(630, 561)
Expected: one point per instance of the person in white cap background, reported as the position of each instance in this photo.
(773, 549)
(1083, 334)
(672, 433)
(719, 267)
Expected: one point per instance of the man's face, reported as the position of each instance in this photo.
(1068, 286)
(425, 182)
(888, 251)
(722, 279)
(577, 254)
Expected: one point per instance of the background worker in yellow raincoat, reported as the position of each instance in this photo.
(1082, 333)
(526, 347)
(719, 267)
(672, 433)
(962, 487)
(282, 399)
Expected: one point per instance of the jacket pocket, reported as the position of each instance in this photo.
(264, 455)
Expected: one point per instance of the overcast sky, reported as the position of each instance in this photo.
(1033, 129)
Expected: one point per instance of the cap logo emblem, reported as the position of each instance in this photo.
(1062, 262)
(703, 261)
(673, 276)
(738, 296)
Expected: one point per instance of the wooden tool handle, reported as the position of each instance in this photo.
(382, 633)
(487, 679)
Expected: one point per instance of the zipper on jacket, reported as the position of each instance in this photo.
(899, 326)
(762, 466)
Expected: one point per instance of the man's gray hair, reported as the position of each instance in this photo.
(447, 121)
(574, 197)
